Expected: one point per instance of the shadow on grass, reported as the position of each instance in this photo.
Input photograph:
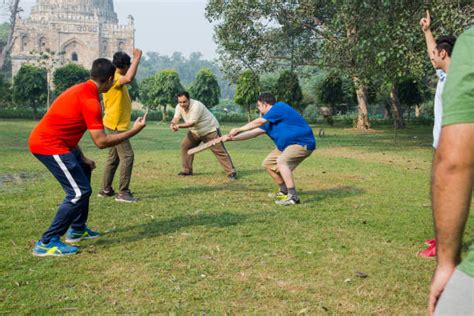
(336, 192)
(168, 226)
(241, 174)
(194, 188)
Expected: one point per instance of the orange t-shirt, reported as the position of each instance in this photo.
(71, 114)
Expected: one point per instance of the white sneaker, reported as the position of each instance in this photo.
(288, 201)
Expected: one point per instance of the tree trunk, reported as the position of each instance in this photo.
(35, 112)
(362, 112)
(396, 109)
(48, 83)
(417, 110)
(387, 113)
(14, 10)
(248, 113)
(163, 113)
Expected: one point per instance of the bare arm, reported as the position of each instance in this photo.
(132, 71)
(175, 126)
(248, 135)
(453, 174)
(249, 126)
(103, 140)
(425, 24)
(185, 125)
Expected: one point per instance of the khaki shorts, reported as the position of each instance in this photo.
(292, 156)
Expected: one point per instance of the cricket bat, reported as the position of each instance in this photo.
(205, 146)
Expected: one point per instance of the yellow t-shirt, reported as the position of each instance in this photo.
(117, 106)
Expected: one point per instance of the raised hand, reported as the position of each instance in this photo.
(137, 53)
(140, 122)
(425, 22)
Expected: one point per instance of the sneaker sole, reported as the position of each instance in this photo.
(71, 241)
(104, 196)
(286, 204)
(53, 255)
(125, 201)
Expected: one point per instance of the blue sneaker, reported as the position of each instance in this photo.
(73, 235)
(54, 248)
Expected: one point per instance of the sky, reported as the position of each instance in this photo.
(163, 26)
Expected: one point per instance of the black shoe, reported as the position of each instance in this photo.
(233, 176)
(104, 193)
(185, 174)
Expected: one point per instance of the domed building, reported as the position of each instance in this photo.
(77, 31)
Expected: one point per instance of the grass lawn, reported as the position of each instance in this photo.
(205, 244)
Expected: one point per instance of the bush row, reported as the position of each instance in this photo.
(232, 117)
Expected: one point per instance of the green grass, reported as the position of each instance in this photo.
(206, 244)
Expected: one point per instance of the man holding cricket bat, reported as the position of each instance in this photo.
(203, 127)
(117, 115)
(292, 136)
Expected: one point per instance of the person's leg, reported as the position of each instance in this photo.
(270, 165)
(189, 141)
(126, 157)
(80, 222)
(290, 158)
(458, 296)
(221, 153)
(109, 171)
(68, 171)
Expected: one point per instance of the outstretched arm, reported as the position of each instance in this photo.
(425, 24)
(246, 135)
(103, 140)
(249, 126)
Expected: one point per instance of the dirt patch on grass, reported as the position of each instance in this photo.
(18, 178)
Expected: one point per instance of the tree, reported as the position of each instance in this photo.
(161, 90)
(48, 60)
(30, 87)
(205, 88)
(329, 91)
(265, 35)
(409, 93)
(288, 90)
(134, 90)
(13, 9)
(247, 91)
(69, 75)
(260, 35)
(396, 45)
(5, 93)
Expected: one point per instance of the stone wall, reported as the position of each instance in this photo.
(77, 31)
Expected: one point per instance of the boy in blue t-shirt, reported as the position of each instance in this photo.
(292, 136)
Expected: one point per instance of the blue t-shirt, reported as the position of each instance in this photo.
(287, 127)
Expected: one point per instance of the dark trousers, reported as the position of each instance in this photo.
(190, 141)
(120, 154)
(75, 177)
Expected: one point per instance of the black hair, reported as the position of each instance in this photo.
(266, 97)
(182, 93)
(102, 70)
(121, 60)
(446, 43)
